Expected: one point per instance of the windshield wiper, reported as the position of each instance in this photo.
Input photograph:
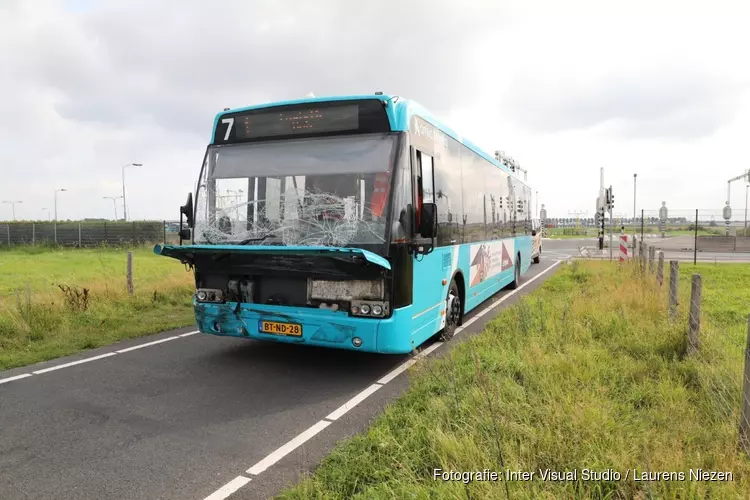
(256, 240)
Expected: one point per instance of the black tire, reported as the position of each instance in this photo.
(452, 312)
(516, 274)
(538, 257)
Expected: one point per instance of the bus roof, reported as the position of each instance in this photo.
(399, 110)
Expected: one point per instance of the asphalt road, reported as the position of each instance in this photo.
(180, 419)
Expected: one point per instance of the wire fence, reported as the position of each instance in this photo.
(674, 220)
(716, 340)
(88, 234)
(691, 230)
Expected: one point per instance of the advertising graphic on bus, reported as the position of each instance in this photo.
(356, 222)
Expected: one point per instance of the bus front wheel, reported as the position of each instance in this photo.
(452, 312)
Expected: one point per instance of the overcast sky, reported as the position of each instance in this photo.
(661, 88)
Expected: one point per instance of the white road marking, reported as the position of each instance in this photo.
(397, 371)
(427, 350)
(466, 325)
(287, 448)
(140, 346)
(338, 412)
(229, 488)
(17, 377)
(80, 361)
(94, 358)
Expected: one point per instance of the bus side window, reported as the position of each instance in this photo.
(426, 177)
(425, 182)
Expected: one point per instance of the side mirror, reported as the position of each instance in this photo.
(187, 210)
(428, 220)
(533, 232)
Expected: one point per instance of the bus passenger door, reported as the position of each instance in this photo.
(428, 298)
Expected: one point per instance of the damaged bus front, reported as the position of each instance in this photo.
(294, 237)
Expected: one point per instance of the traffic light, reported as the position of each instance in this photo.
(609, 198)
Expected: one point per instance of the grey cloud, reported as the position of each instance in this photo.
(673, 105)
(179, 63)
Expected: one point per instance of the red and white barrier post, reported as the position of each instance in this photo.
(623, 247)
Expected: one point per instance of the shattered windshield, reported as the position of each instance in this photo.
(301, 192)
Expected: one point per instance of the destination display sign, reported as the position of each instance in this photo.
(325, 118)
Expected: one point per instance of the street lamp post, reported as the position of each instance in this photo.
(13, 206)
(57, 191)
(746, 189)
(124, 204)
(635, 224)
(114, 203)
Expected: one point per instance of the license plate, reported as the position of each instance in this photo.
(276, 328)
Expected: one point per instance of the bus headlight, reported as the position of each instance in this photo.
(369, 308)
(209, 295)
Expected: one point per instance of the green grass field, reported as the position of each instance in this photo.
(38, 321)
(586, 372)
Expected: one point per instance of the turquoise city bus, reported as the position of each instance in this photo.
(357, 222)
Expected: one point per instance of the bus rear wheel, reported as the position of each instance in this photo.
(516, 274)
(538, 257)
(452, 312)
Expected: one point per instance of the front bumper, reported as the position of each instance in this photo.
(320, 327)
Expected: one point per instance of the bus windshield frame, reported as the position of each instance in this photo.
(324, 191)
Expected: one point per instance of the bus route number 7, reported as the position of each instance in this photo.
(230, 123)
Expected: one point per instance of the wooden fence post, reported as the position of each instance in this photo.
(651, 253)
(660, 269)
(745, 417)
(674, 271)
(130, 273)
(694, 322)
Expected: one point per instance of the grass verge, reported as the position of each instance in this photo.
(55, 302)
(585, 373)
